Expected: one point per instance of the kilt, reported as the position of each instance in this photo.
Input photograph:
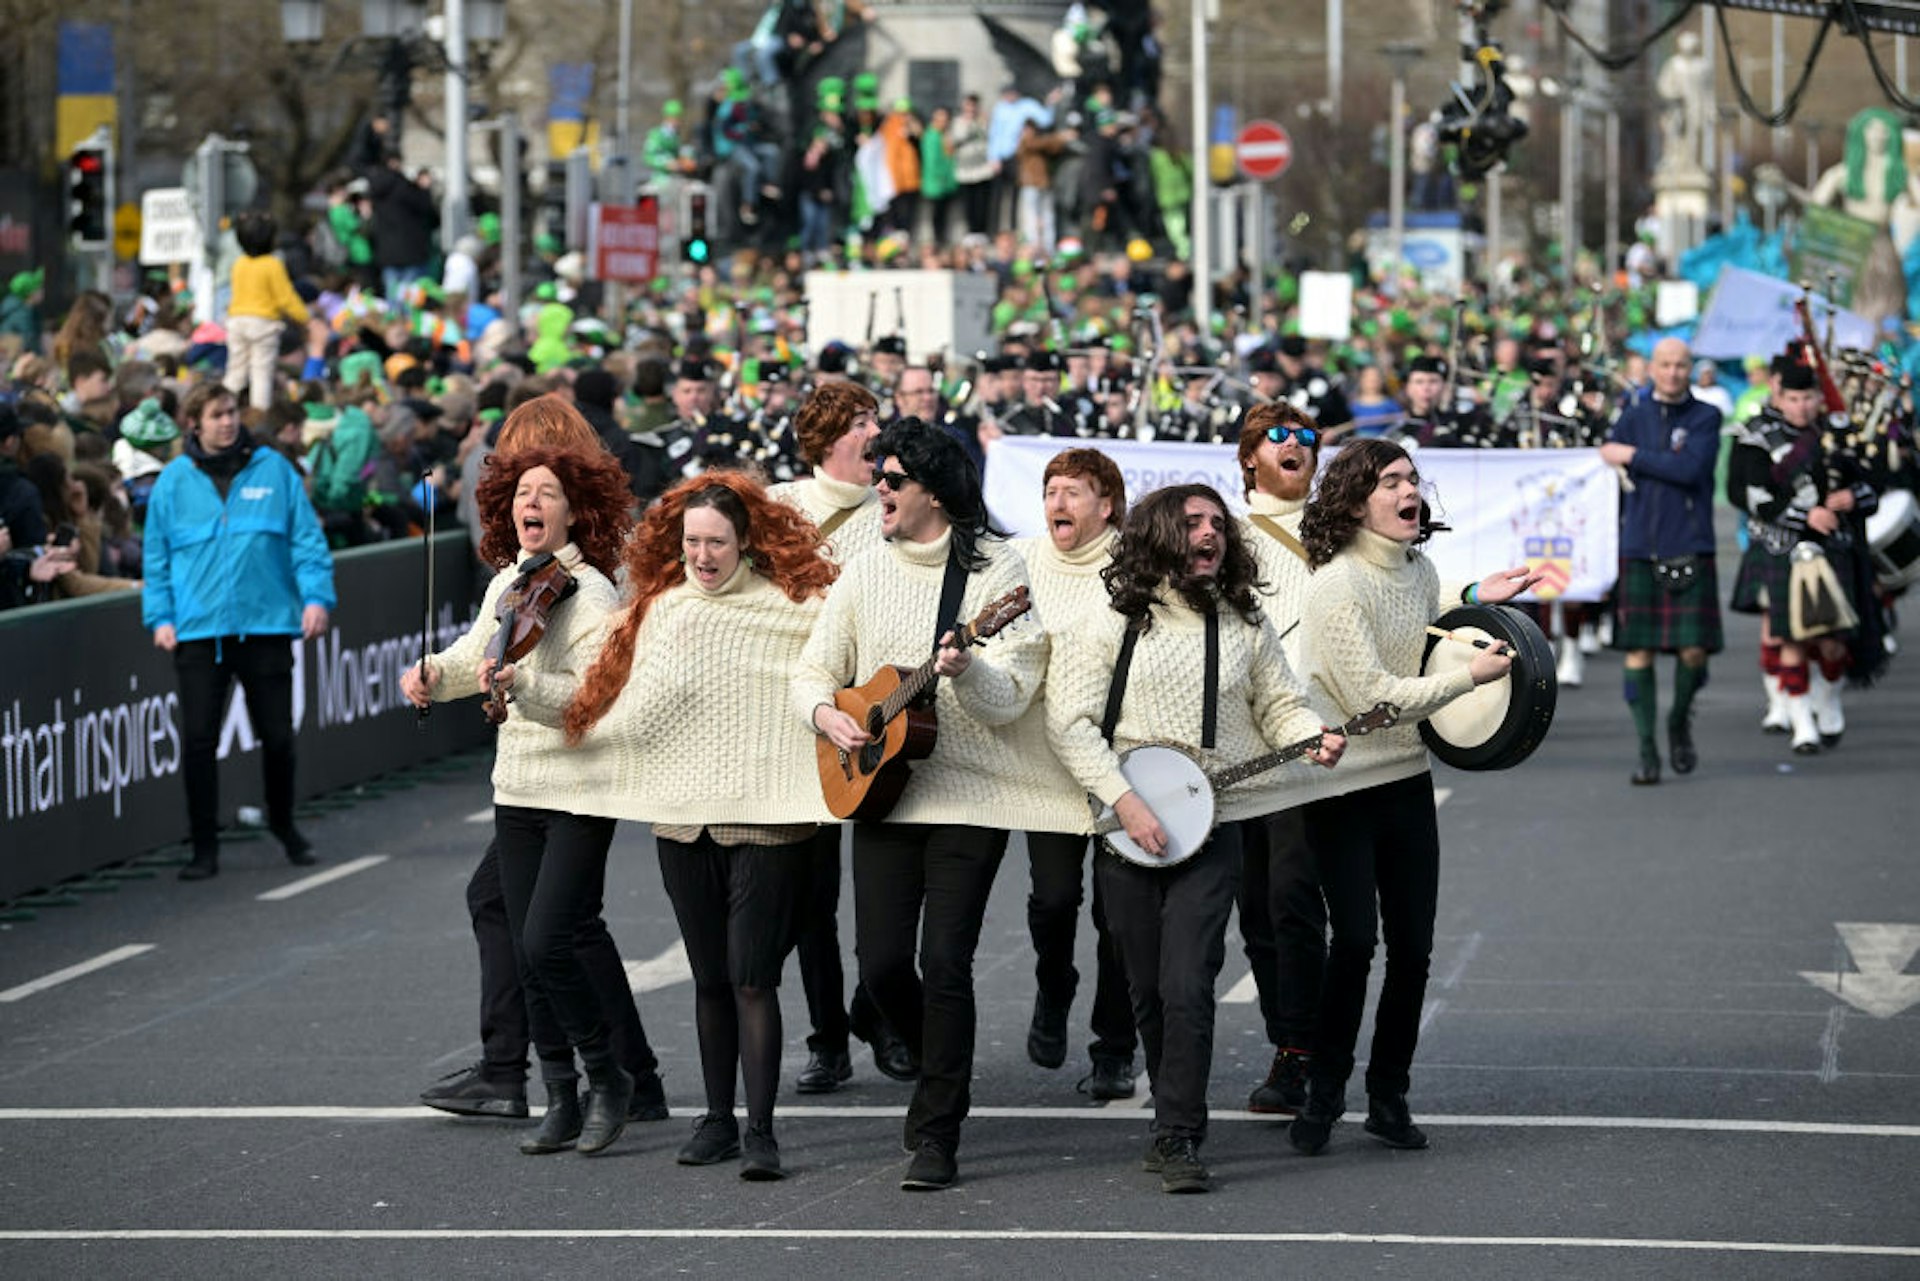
(1648, 616)
(1760, 587)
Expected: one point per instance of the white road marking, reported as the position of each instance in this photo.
(481, 816)
(1880, 953)
(58, 977)
(1830, 1045)
(318, 879)
(1440, 795)
(664, 970)
(1692, 1125)
(1245, 992)
(1698, 1246)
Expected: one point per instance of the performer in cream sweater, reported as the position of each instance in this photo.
(1371, 826)
(1197, 663)
(553, 858)
(933, 858)
(832, 429)
(1086, 503)
(1283, 919)
(689, 703)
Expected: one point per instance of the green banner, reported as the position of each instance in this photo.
(1831, 241)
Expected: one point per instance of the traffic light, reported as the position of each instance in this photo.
(694, 245)
(89, 211)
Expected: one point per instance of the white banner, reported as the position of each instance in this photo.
(1752, 315)
(1559, 508)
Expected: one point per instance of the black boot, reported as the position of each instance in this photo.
(1326, 1101)
(609, 1092)
(1649, 772)
(1047, 1033)
(204, 867)
(649, 1098)
(560, 1127)
(1389, 1121)
(299, 849)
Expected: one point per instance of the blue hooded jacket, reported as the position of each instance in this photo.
(246, 565)
(1669, 511)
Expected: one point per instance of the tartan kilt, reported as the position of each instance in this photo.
(1761, 587)
(1648, 616)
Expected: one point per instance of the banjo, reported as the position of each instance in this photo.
(1170, 779)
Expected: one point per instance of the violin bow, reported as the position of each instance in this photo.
(426, 623)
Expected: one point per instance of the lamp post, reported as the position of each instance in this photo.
(1401, 58)
(1201, 219)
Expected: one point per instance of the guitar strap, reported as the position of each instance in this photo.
(834, 522)
(1117, 686)
(1279, 534)
(952, 588)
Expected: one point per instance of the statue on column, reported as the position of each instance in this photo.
(1872, 183)
(1685, 89)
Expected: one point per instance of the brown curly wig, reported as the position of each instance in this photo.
(785, 546)
(826, 415)
(1336, 511)
(596, 489)
(1152, 549)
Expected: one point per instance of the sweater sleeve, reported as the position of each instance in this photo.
(1002, 680)
(1279, 706)
(542, 690)
(826, 663)
(1078, 673)
(1692, 463)
(458, 664)
(1357, 677)
(282, 297)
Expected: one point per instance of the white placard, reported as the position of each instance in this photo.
(1326, 304)
(169, 229)
(1753, 315)
(1505, 506)
(949, 312)
(1675, 302)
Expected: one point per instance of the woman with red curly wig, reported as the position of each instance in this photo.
(688, 703)
(572, 507)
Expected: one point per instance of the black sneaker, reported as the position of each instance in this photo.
(715, 1139)
(932, 1169)
(1312, 1129)
(761, 1160)
(1284, 1092)
(649, 1101)
(1112, 1078)
(1047, 1033)
(1649, 772)
(470, 1092)
(1389, 1121)
(825, 1072)
(1153, 1162)
(299, 849)
(1181, 1169)
(202, 867)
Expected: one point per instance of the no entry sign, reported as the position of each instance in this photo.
(1263, 150)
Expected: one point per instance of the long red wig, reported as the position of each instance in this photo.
(785, 547)
(596, 488)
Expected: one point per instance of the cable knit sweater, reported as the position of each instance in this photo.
(1072, 597)
(703, 731)
(532, 766)
(1260, 706)
(990, 766)
(1366, 614)
(1283, 573)
(820, 496)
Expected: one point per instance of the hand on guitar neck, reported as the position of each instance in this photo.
(846, 733)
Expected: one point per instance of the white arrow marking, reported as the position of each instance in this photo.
(664, 970)
(1880, 953)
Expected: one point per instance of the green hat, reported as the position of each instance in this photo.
(735, 81)
(27, 283)
(319, 411)
(362, 367)
(1022, 268)
(866, 82)
(148, 424)
(488, 227)
(903, 104)
(1002, 314)
(671, 108)
(545, 292)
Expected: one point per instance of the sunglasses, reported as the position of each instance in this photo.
(1281, 435)
(893, 480)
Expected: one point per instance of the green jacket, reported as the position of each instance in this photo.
(1172, 179)
(340, 464)
(937, 180)
(351, 232)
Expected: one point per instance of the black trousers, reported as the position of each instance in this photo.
(1059, 863)
(1378, 851)
(822, 976)
(1171, 925)
(903, 873)
(503, 1001)
(736, 907)
(976, 199)
(1283, 923)
(207, 670)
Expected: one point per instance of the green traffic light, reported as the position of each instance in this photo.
(697, 250)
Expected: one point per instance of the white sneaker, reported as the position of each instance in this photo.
(1775, 721)
(1572, 666)
(1806, 737)
(1589, 638)
(1603, 631)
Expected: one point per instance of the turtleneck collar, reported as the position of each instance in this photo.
(1378, 549)
(1097, 550)
(1265, 504)
(735, 582)
(840, 493)
(568, 555)
(1173, 608)
(933, 553)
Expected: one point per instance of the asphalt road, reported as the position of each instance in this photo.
(1626, 1068)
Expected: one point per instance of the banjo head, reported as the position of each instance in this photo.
(1497, 725)
(1176, 789)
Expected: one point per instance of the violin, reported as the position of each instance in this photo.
(525, 609)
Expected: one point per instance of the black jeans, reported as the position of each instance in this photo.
(1171, 925)
(207, 670)
(818, 945)
(901, 872)
(1377, 848)
(1283, 922)
(1059, 866)
(503, 1001)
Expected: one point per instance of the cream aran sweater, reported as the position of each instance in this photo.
(532, 765)
(1366, 614)
(821, 497)
(1260, 706)
(703, 732)
(1283, 573)
(990, 766)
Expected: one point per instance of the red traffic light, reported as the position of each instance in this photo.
(89, 162)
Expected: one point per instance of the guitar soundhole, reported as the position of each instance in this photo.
(870, 757)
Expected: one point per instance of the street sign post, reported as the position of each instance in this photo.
(169, 228)
(624, 241)
(1263, 150)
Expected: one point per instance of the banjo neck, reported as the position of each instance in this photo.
(1379, 716)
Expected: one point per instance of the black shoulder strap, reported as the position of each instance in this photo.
(1210, 708)
(1117, 686)
(952, 588)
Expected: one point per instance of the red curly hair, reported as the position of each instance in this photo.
(785, 546)
(596, 489)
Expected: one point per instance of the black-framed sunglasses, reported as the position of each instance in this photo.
(1281, 435)
(891, 479)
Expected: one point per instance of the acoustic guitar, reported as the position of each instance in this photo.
(1180, 793)
(866, 784)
